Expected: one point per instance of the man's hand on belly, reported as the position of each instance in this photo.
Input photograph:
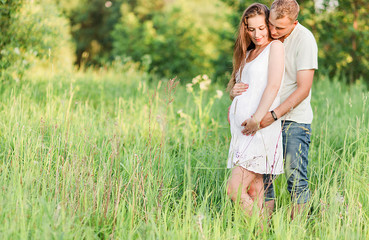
(267, 120)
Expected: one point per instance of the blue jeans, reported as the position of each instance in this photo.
(296, 141)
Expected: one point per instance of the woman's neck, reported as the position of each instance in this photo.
(257, 48)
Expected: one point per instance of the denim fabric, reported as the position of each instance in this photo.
(296, 141)
(268, 187)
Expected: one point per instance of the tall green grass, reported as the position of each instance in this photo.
(113, 155)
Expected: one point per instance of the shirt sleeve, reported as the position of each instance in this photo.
(307, 54)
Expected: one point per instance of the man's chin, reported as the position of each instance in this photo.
(275, 37)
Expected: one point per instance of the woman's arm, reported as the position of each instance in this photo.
(238, 89)
(275, 74)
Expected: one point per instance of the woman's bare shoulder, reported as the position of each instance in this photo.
(276, 52)
(276, 44)
(276, 48)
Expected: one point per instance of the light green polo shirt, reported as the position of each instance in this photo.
(301, 53)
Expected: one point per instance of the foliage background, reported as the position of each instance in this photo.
(170, 38)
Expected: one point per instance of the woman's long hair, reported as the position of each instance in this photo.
(243, 42)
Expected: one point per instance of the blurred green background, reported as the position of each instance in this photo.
(168, 38)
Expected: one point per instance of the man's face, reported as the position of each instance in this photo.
(280, 28)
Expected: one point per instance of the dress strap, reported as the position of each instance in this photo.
(247, 54)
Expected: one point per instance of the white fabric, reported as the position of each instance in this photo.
(261, 153)
(301, 54)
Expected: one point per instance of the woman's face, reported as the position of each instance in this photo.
(258, 30)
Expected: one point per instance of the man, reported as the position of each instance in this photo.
(301, 60)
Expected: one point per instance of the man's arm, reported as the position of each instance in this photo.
(304, 83)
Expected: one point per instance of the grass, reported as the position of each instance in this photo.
(112, 155)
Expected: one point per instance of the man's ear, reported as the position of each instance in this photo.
(296, 22)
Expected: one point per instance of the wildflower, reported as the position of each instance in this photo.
(204, 85)
(189, 87)
(196, 79)
(108, 4)
(182, 114)
(340, 198)
(17, 51)
(219, 94)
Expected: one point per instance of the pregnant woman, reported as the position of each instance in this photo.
(259, 62)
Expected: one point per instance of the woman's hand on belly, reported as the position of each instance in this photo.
(238, 89)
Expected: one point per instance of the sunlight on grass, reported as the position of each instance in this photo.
(111, 154)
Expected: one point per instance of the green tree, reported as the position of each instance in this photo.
(341, 29)
(36, 33)
(91, 24)
(342, 32)
(181, 38)
(7, 11)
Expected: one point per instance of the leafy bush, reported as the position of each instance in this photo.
(177, 39)
(35, 33)
(342, 33)
(92, 22)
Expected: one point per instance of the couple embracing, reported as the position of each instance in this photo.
(273, 67)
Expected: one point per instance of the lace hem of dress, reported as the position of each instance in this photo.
(254, 166)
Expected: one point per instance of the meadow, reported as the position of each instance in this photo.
(116, 154)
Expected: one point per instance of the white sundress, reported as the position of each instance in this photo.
(261, 153)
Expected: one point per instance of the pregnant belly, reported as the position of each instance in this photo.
(242, 108)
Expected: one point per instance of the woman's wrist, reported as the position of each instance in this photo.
(256, 118)
(257, 121)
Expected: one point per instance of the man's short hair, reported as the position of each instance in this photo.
(289, 8)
